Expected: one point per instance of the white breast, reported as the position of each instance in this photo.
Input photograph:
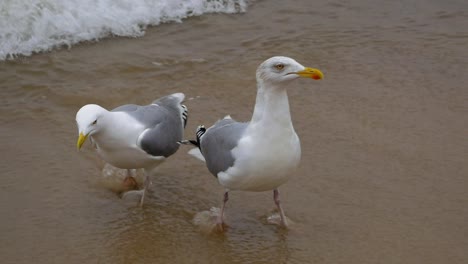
(117, 144)
(264, 157)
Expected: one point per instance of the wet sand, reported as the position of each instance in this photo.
(383, 177)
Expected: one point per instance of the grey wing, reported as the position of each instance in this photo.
(217, 143)
(161, 140)
(126, 108)
(173, 103)
(163, 122)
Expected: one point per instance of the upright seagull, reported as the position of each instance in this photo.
(132, 136)
(258, 155)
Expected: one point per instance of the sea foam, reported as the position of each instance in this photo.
(29, 26)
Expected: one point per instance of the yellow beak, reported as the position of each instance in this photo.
(81, 139)
(315, 74)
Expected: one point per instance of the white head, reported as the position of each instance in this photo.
(280, 69)
(87, 120)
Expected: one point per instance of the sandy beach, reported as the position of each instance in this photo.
(383, 175)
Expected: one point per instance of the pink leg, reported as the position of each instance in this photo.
(129, 181)
(220, 221)
(276, 198)
(145, 187)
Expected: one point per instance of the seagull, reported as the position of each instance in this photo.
(133, 136)
(257, 155)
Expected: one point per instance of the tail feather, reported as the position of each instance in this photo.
(197, 154)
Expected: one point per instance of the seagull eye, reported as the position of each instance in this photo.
(95, 122)
(279, 66)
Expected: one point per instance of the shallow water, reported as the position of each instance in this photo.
(383, 171)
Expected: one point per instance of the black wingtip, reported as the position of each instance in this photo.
(184, 114)
(199, 133)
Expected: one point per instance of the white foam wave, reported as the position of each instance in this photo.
(28, 26)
